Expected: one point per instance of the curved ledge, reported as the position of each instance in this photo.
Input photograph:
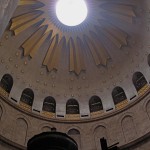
(11, 143)
(106, 115)
(135, 142)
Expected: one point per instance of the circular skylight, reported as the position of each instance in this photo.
(71, 12)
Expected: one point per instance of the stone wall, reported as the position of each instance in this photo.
(141, 144)
(8, 145)
(124, 126)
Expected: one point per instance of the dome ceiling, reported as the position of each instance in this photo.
(76, 62)
(103, 20)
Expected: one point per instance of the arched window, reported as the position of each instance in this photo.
(49, 104)
(95, 104)
(27, 96)
(72, 107)
(139, 80)
(118, 95)
(148, 59)
(6, 82)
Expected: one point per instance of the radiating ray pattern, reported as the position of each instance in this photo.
(76, 39)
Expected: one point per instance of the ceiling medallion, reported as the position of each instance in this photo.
(101, 23)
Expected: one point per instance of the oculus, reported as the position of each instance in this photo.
(71, 12)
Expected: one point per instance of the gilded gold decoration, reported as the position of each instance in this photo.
(121, 104)
(25, 106)
(97, 114)
(72, 116)
(48, 114)
(102, 20)
(143, 89)
(4, 93)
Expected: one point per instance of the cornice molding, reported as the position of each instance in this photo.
(83, 120)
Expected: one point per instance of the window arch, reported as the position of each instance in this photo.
(118, 95)
(139, 80)
(75, 134)
(148, 59)
(95, 104)
(6, 82)
(49, 104)
(72, 107)
(27, 96)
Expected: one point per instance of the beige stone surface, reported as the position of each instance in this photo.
(126, 124)
(7, 8)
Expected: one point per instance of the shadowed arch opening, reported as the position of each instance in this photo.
(6, 83)
(27, 96)
(139, 80)
(118, 95)
(72, 107)
(95, 104)
(148, 59)
(75, 134)
(49, 104)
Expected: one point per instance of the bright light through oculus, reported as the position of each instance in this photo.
(71, 12)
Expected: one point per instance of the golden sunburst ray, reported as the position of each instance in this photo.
(97, 49)
(53, 54)
(76, 56)
(27, 2)
(41, 13)
(50, 52)
(28, 45)
(21, 23)
(122, 11)
(24, 19)
(40, 43)
(114, 34)
(125, 9)
(54, 61)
